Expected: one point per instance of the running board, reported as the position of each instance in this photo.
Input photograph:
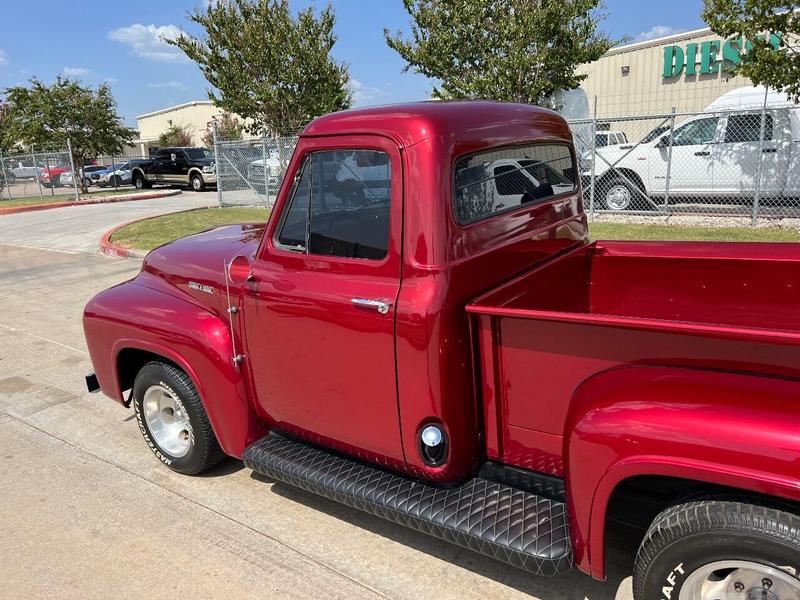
(517, 527)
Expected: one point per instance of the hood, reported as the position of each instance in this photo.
(195, 264)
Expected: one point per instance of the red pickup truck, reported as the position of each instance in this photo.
(422, 330)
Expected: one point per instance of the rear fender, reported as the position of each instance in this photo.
(132, 316)
(734, 430)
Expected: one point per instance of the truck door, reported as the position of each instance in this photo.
(319, 313)
(162, 164)
(692, 168)
(738, 156)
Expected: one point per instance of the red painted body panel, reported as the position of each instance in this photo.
(604, 313)
(147, 315)
(590, 362)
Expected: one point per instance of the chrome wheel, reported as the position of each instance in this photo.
(618, 197)
(740, 580)
(197, 184)
(167, 421)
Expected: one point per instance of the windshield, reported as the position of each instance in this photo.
(195, 153)
(654, 134)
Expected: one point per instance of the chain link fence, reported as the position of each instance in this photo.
(250, 172)
(742, 163)
(36, 174)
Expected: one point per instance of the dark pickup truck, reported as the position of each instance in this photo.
(423, 330)
(193, 167)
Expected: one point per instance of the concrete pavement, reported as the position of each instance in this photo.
(87, 510)
(79, 228)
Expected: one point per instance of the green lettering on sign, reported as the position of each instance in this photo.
(691, 59)
(731, 53)
(714, 54)
(673, 61)
(708, 57)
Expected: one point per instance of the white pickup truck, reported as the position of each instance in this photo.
(715, 157)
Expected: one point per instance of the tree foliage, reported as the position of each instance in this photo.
(752, 19)
(267, 65)
(228, 128)
(46, 116)
(512, 50)
(175, 135)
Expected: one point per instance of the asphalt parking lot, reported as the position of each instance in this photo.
(89, 512)
(79, 228)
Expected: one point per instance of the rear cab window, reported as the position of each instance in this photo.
(505, 179)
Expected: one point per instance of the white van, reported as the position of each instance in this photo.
(715, 156)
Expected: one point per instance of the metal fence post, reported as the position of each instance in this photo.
(264, 158)
(5, 177)
(592, 171)
(49, 174)
(75, 174)
(36, 170)
(216, 163)
(757, 196)
(669, 161)
(114, 172)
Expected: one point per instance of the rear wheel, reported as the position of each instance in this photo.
(172, 419)
(87, 181)
(197, 183)
(617, 194)
(10, 177)
(719, 550)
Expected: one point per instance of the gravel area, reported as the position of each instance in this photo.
(696, 220)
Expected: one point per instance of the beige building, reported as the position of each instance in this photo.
(195, 116)
(686, 71)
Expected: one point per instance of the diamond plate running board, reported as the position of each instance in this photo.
(522, 529)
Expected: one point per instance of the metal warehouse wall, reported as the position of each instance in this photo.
(194, 115)
(644, 90)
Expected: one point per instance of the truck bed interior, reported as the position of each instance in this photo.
(711, 285)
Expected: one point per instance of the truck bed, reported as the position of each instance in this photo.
(733, 307)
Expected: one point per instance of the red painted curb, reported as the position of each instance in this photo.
(109, 248)
(104, 200)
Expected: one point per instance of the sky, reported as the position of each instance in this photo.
(120, 43)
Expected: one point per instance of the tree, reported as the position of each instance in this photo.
(228, 128)
(46, 116)
(7, 137)
(271, 68)
(176, 135)
(512, 50)
(754, 20)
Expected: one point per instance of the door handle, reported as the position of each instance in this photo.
(702, 153)
(770, 150)
(381, 306)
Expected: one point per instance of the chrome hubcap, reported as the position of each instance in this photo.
(618, 197)
(139, 183)
(196, 183)
(740, 580)
(167, 421)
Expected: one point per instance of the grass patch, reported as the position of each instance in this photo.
(628, 231)
(69, 197)
(151, 233)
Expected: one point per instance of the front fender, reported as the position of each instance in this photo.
(132, 316)
(741, 431)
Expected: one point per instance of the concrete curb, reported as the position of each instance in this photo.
(104, 200)
(109, 248)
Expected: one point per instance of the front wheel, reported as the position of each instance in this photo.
(719, 550)
(11, 178)
(197, 183)
(172, 419)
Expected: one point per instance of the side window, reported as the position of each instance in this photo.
(340, 206)
(163, 154)
(498, 180)
(747, 127)
(696, 132)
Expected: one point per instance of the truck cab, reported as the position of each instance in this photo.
(407, 341)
